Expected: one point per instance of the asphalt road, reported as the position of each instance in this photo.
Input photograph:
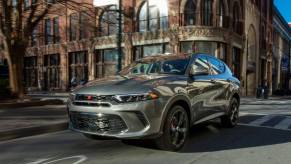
(262, 138)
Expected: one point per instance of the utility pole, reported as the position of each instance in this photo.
(119, 37)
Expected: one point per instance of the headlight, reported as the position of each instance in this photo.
(72, 97)
(135, 97)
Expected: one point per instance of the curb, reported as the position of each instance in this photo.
(31, 131)
(31, 103)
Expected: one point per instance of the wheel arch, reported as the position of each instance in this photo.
(181, 100)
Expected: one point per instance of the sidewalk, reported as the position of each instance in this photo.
(28, 121)
(271, 100)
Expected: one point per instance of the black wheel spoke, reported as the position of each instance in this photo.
(178, 128)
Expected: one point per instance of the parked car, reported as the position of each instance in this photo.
(158, 97)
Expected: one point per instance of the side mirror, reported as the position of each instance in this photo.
(198, 72)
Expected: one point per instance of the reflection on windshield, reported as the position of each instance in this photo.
(177, 66)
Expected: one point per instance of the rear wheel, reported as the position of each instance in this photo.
(175, 131)
(231, 118)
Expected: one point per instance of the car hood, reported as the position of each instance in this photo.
(124, 85)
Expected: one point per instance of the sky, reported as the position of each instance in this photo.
(284, 7)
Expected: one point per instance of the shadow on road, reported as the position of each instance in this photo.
(212, 137)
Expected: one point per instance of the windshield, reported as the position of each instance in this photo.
(171, 66)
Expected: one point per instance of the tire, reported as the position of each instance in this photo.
(230, 120)
(175, 130)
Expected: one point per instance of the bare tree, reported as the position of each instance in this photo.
(17, 22)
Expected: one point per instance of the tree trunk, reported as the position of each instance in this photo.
(15, 62)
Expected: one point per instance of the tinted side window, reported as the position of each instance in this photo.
(217, 66)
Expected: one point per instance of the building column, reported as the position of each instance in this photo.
(128, 50)
(64, 68)
(244, 67)
(40, 66)
(91, 64)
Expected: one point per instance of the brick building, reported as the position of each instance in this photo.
(82, 43)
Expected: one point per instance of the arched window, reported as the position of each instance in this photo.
(190, 13)
(153, 15)
(109, 22)
(207, 12)
(221, 22)
(143, 18)
(236, 25)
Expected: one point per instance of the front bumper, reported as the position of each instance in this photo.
(123, 121)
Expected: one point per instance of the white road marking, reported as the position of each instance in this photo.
(261, 120)
(39, 161)
(258, 126)
(284, 124)
(78, 160)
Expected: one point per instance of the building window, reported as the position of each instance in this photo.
(84, 25)
(51, 71)
(78, 67)
(48, 32)
(34, 36)
(26, 4)
(236, 25)
(73, 26)
(56, 30)
(221, 17)
(149, 50)
(207, 12)
(216, 49)
(151, 17)
(106, 62)
(190, 13)
(30, 71)
(236, 62)
(51, 1)
(14, 3)
(109, 21)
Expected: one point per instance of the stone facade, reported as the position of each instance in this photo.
(258, 50)
(281, 52)
(238, 32)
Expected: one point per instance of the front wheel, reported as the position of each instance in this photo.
(175, 131)
(230, 120)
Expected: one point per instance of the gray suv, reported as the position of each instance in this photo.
(158, 97)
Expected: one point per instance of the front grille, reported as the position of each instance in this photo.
(87, 97)
(97, 123)
(93, 104)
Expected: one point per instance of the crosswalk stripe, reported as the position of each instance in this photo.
(284, 124)
(261, 120)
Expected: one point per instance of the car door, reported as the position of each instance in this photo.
(200, 87)
(220, 84)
